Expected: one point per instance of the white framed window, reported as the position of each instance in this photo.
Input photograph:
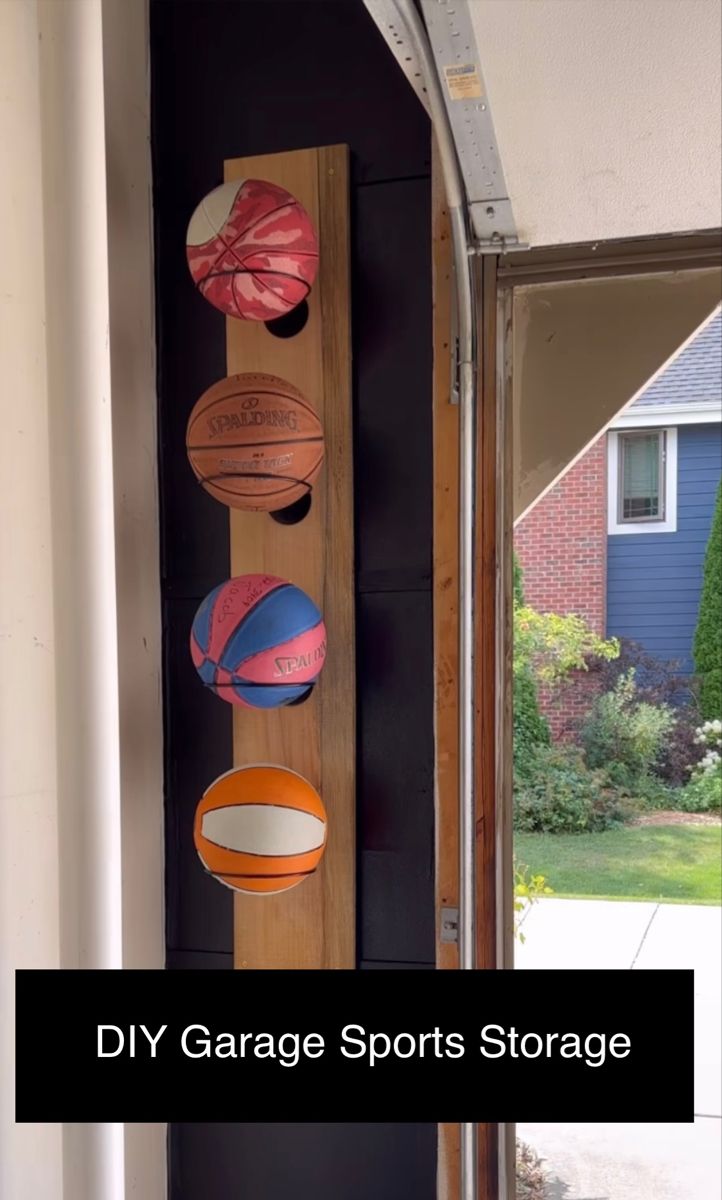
(642, 480)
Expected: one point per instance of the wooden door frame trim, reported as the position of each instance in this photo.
(495, 280)
(492, 582)
(599, 260)
(627, 256)
(491, 589)
(486, 568)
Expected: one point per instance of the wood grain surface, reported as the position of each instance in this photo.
(446, 625)
(312, 925)
(486, 641)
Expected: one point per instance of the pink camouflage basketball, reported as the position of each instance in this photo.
(252, 250)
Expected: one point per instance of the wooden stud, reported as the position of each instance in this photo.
(486, 667)
(492, 644)
(446, 623)
(446, 579)
(313, 925)
(485, 639)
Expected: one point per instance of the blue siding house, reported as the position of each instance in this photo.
(664, 462)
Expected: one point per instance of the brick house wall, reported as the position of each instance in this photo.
(562, 549)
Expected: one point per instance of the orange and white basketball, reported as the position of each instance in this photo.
(260, 829)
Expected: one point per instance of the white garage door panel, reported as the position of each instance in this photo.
(607, 114)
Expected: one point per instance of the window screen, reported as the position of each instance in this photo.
(641, 477)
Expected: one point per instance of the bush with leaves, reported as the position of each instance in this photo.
(680, 750)
(547, 647)
(646, 792)
(553, 645)
(708, 635)
(517, 582)
(624, 735)
(659, 682)
(709, 738)
(703, 793)
(561, 794)
(531, 1175)
(527, 890)
(530, 727)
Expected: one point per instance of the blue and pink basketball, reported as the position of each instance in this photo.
(258, 641)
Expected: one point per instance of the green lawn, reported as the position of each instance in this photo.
(680, 863)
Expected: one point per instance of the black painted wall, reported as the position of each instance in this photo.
(243, 77)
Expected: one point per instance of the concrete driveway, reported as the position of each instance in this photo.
(636, 1162)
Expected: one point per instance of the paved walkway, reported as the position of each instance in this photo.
(636, 1162)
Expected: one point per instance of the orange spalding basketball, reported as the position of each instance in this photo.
(260, 829)
(255, 442)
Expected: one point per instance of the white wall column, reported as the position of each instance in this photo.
(81, 806)
(79, 394)
(132, 364)
(30, 1155)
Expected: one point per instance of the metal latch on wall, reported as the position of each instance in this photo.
(449, 925)
(455, 389)
(455, 355)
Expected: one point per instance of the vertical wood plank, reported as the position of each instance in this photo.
(336, 694)
(313, 925)
(505, 637)
(446, 623)
(486, 668)
(485, 570)
(446, 576)
(492, 644)
(505, 915)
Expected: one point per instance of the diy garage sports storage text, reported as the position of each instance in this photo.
(357, 1043)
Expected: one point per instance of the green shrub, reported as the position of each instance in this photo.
(555, 645)
(547, 647)
(661, 682)
(518, 585)
(703, 793)
(645, 792)
(624, 734)
(560, 794)
(680, 751)
(708, 635)
(527, 890)
(530, 727)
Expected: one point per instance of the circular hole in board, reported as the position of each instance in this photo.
(290, 323)
(294, 513)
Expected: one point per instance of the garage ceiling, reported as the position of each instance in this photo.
(606, 112)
